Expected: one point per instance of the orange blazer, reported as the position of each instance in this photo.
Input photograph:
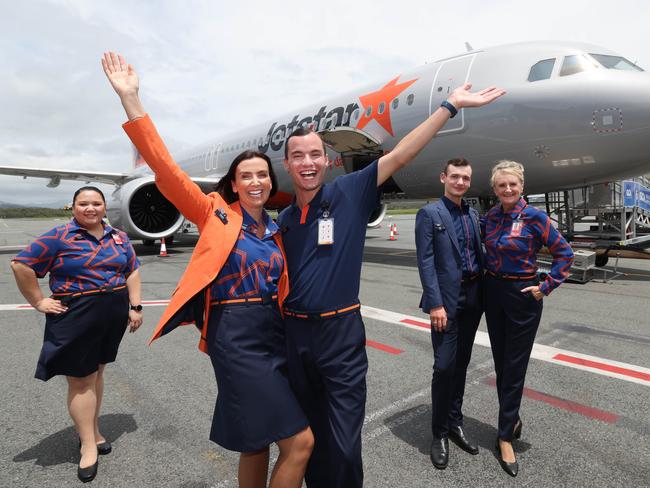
(190, 302)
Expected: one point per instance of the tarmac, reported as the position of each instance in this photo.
(585, 407)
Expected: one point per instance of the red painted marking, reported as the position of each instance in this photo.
(384, 347)
(424, 325)
(591, 412)
(603, 366)
(155, 302)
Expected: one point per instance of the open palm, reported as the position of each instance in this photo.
(121, 75)
(464, 98)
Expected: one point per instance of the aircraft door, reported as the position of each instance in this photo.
(451, 74)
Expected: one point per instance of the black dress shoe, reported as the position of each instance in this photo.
(511, 468)
(104, 448)
(87, 474)
(440, 452)
(516, 433)
(457, 435)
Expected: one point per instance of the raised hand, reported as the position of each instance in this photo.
(121, 75)
(461, 97)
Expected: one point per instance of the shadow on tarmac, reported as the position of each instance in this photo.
(62, 446)
(413, 426)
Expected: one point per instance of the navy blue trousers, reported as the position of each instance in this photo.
(452, 351)
(512, 321)
(327, 370)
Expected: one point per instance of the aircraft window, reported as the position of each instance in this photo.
(409, 99)
(541, 70)
(355, 114)
(575, 64)
(615, 62)
(369, 111)
(395, 103)
(381, 108)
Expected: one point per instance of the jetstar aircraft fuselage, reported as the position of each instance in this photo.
(574, 115)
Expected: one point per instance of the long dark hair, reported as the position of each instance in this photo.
(224, 186)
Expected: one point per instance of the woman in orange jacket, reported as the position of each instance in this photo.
(232, 289)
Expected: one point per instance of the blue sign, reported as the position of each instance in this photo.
(629, 193)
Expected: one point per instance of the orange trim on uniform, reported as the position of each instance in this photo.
(242, 300)
(303, 214)
(104, 289)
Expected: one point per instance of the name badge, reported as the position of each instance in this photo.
(117, 239)
(515, 231)
(325, 231)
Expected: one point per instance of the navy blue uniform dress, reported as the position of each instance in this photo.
(325, 332)
(88, 334)
(246, 343)
(450, 262)
(512, 240)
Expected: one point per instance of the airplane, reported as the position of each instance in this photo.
(575, 114)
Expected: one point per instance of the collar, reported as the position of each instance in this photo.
(313, 203)
(250, 225)
(464, 206)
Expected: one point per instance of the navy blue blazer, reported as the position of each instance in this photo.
(439, 260)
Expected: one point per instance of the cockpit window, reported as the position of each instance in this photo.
(541, 70)
(615, 62)
(576, 63)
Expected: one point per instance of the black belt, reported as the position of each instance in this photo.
(266, 299)
(96, 291)
(322, 315)
(513, 276)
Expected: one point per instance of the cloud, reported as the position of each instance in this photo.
(209, 68)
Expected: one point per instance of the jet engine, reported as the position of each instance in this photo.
(377, 216)
(139, 209)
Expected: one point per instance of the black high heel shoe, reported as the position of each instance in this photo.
(511, 468)
(516, 433)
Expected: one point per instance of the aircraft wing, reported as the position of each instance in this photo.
(56, 175)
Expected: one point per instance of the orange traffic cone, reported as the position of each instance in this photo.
(395, 229)
(392, 234)
(163, 249)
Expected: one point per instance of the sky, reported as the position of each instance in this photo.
(211, 67)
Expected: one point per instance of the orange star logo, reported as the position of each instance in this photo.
(380, 102)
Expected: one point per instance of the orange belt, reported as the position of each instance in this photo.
(323, 315)
(103, 289)
(270, 299)
(512, 277)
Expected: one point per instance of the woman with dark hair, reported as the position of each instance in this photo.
(94, 277)
(233, 290)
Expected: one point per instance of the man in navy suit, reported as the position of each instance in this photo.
(450, 261)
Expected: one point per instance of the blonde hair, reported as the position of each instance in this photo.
(509, 167)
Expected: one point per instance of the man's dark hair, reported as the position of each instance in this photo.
(456, 162)
(224, 186)
(300, 132)
(87, 188)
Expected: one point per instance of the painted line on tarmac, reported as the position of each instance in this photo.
(384, 347)
(553, 355)
(579, 408)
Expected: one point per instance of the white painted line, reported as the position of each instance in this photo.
(549, 354)
(553, 355)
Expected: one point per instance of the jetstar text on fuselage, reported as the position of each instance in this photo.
(321, 120)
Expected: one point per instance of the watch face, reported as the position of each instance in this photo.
(137, 308)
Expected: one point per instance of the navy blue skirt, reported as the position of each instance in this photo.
(86, 335)
(255, 404)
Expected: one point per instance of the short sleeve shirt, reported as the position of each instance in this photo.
(326, 277)
(77, 261)
(254, 265)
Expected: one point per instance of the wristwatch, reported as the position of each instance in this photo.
(137, 308)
